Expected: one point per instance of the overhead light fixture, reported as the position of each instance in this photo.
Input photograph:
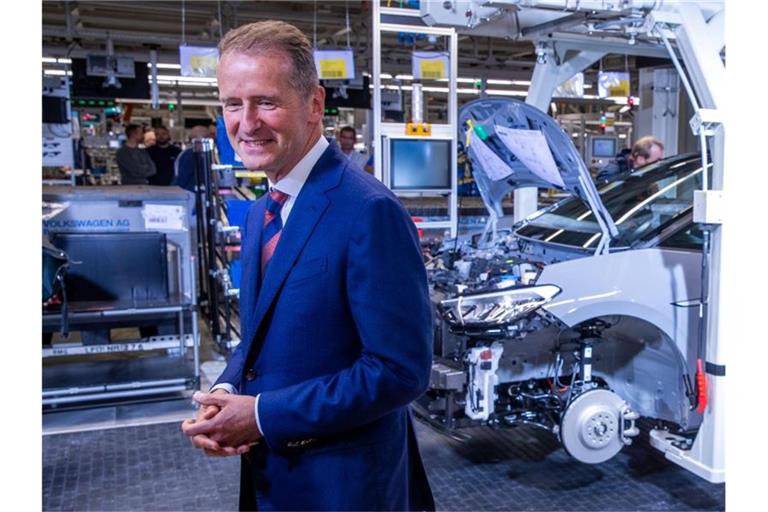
(165, 66)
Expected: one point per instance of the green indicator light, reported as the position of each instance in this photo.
(91, 102)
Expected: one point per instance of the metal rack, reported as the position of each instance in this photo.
(218, 242)
(409, 21)
(98, 368)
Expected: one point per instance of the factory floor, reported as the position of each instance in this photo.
(153, 467)
(133, 456)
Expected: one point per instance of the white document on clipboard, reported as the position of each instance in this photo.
(531, 148)
(491, 163)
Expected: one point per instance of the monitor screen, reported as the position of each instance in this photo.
(603, 147)
(86, 86)
(420, 164)
(115, 266)
(55, 110)
(351, 97)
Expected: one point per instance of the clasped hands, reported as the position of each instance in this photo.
(225, 424)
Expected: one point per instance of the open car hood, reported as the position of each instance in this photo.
(512, 145)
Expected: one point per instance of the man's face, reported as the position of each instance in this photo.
(162, 137)
(347, 140)
(136, 136)
(656, 153)
(270, 126)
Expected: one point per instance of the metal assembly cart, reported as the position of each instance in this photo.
(132, 264)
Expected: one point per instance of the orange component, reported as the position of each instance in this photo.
(552, 387)
(701, 387)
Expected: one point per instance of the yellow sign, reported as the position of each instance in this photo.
(203, 62)
(620, 89)
(432, 69)
(333, 69)
(198, 60)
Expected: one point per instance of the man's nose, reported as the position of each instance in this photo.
(251, 119)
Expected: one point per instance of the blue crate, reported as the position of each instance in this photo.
(235, 271)
(236, 210)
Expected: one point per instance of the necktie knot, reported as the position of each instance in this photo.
(275, 200)
(278, 196)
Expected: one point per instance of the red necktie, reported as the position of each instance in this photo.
(273, 225)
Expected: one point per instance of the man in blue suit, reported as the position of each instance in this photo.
(335, 312)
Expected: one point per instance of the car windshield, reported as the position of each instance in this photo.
(640, 204)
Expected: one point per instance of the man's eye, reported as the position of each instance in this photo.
(266, 105)
(231, 106)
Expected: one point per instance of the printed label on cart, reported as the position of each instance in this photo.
(163, 217)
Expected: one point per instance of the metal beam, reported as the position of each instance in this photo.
(607, 45)
(549, 26)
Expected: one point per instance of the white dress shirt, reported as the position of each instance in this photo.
(291, 184)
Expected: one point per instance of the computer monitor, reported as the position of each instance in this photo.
(419, 164)
(604, 147)
(115, 266)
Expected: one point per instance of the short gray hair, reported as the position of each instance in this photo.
(265, 37)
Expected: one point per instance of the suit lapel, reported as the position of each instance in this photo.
(251, 255)
(305, 214)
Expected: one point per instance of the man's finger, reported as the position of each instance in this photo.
(209, 411)
(226, 451)
(201, 426)
(218, 399)
(186, 424)
(205, 443)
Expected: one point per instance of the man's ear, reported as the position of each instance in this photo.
(318, 104)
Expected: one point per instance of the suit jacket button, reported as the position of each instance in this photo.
(250, 374)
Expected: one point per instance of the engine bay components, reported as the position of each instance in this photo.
(482, 363)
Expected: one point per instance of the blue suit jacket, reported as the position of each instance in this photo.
(338, 335)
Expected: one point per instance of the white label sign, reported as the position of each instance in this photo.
(571, 88)
(163, 217)
(531, 148)
(491, 163)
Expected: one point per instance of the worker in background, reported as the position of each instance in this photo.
(347, 137)
(134, 162)
(164, 155)
(334, 305)
(149, 138)
(645, 150)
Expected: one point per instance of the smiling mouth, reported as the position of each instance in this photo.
(257, 142)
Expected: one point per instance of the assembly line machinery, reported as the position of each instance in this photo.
(570, 36)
